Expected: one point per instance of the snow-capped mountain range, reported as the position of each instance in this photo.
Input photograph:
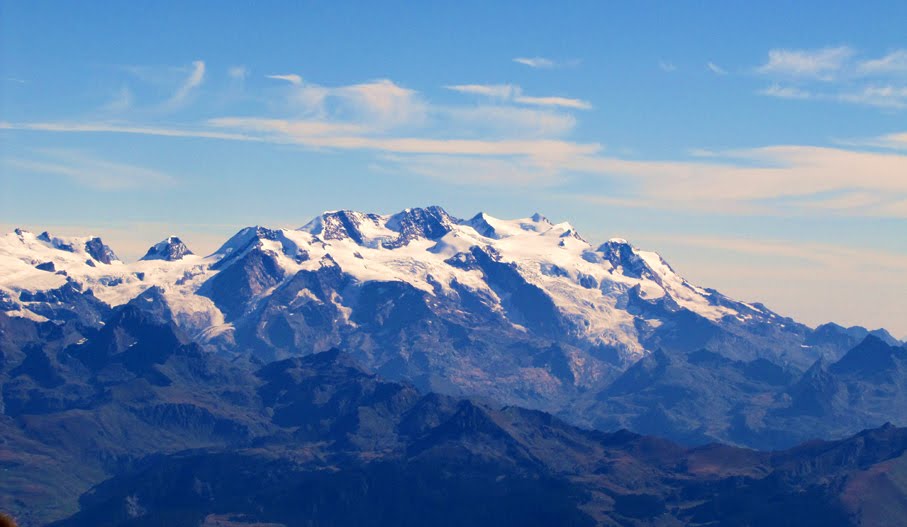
(522, 310)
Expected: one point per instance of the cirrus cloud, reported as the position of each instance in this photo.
(501, 91)
(822, 64)
(193, 81)
(838, 74)
(292, 78)
(510, 92)
(514, 133)
(89, 170)
(535, 62)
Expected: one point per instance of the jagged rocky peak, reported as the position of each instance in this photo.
(374, 230)
(482, 223)
(431, 222)
(93, 246)
(343, 224)
(55, 242)
(99, 251)
(256, 239)
(335, 225)
(245, 237)
(169, 249)
(624, 256)
(617, 250)
(538, 218)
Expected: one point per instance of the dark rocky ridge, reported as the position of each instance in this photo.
(170, 249)
(186, 435)
(99, 251)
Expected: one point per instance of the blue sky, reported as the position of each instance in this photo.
(760, 147)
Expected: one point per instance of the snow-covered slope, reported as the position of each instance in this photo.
(32, 263)
(527, 276)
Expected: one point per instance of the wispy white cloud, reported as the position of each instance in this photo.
(120, 128)
(292, 78)
(382, 103)
(666, 66)
(715, 68)
(330, 135)
(768, 180)
(290, 130)
(887, 96)
(121, 102)
(897, 141)
(839, 257)
(481, 171)
(703, 152)
(238, 72)
(891, 97)
(785, 92)
(892, 63)
(508, 136)
(310, 99)
(840, 63)
(501, 91)
(91, 171)
(821, 64)
(174, 87)
(536, 62)
(514, 93)
(320, 135)
(504, 120)
(563, 102)
(546, 63)
(785, 179)
(185, 90)
(837, 74)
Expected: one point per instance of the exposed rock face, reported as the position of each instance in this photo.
(169, 249)
(99, 251)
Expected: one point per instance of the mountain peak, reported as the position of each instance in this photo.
(831, 331)
(496, 229)
(342, 224)
(169, 249)
(432, 223)
(624, 256)
(254, 239)
(871, 356)
(80, 246)
(374, 230)
(100, 251)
